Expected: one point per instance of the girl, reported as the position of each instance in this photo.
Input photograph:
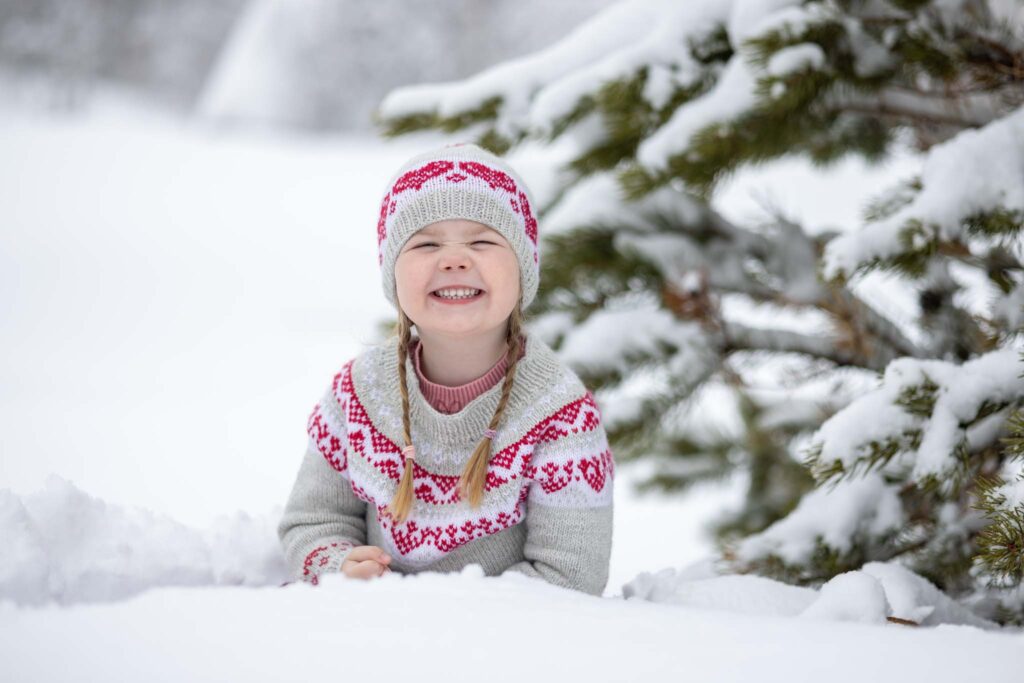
(470, 442)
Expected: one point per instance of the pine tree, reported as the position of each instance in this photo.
(899, 458)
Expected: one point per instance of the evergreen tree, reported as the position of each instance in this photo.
(885, 443)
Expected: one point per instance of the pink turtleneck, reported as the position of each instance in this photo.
(450, 400)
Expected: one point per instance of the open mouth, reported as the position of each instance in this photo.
(461, 295)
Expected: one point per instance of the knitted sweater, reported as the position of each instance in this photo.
(547, 505)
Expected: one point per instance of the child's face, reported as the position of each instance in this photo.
(486, 262)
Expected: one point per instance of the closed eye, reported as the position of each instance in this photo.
(434, 244)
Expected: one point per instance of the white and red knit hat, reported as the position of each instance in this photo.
(458, 181)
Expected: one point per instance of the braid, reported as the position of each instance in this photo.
(401, 504)
(474, 475)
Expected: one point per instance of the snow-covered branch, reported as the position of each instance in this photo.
(922, 409)
(975, 173)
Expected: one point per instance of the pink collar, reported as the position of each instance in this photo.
(446, 399)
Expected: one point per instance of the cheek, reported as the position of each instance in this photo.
(407, 287)
(511, 273)
(408, 275)
(505, 280)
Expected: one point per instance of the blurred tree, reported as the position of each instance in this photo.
(323, 64)
(646, 108)
(158, 47)
(312, 64)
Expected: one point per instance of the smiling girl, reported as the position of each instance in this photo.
(471, 442)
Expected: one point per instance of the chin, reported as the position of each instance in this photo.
(458, 331)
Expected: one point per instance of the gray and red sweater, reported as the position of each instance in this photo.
(547, 506)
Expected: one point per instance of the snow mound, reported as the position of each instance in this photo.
(879, 590)
(914, 597)
(64, 545)
(740, 593)
(851, 596)
(872, 594)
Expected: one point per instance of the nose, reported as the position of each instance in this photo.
(455, 259)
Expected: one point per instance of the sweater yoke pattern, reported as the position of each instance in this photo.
(550, 449)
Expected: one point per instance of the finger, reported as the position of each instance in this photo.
(369, 569)
(363, 552)
(357, 570)
(368, 552)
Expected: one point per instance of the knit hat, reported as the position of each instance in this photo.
(458, 181)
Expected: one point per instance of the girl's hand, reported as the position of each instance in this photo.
(366, 562)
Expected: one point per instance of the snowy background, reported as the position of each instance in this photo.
(174, 293)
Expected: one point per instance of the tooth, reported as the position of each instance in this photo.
(458, 293)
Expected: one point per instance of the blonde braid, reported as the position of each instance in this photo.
(474, 475)
(401, 504)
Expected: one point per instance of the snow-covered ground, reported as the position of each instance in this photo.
(462, 627)
(173, 300)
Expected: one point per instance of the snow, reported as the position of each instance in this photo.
(1009, 309)
(749, 18)
(249, 78)
(870, 57)
(833, 515)
(538, 90)
(349, 627)
(663, 50)
(731, 94)
(546, 85)
(609, 337)
(1009, 11)
(619, 24)
(174, 302)
(831, 201)
(598, 200)
(184, 630)
(734, 91)
(796, 58)
(71, 547)
(876, 417)
(1012, 491)
(914, 598)
(851, 596)
(741, 594)
(978, 170)
(879, 590)
(661, 83)
(989, 377)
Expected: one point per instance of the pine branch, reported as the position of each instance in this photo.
(909, 107)
(739, 337)
(871, 336)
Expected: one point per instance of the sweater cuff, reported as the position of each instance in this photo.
(324, 558)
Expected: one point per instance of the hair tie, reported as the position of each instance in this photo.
(409, 451)
(490, 433)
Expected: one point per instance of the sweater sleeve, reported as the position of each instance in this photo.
(569, 506)
(323, 518)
